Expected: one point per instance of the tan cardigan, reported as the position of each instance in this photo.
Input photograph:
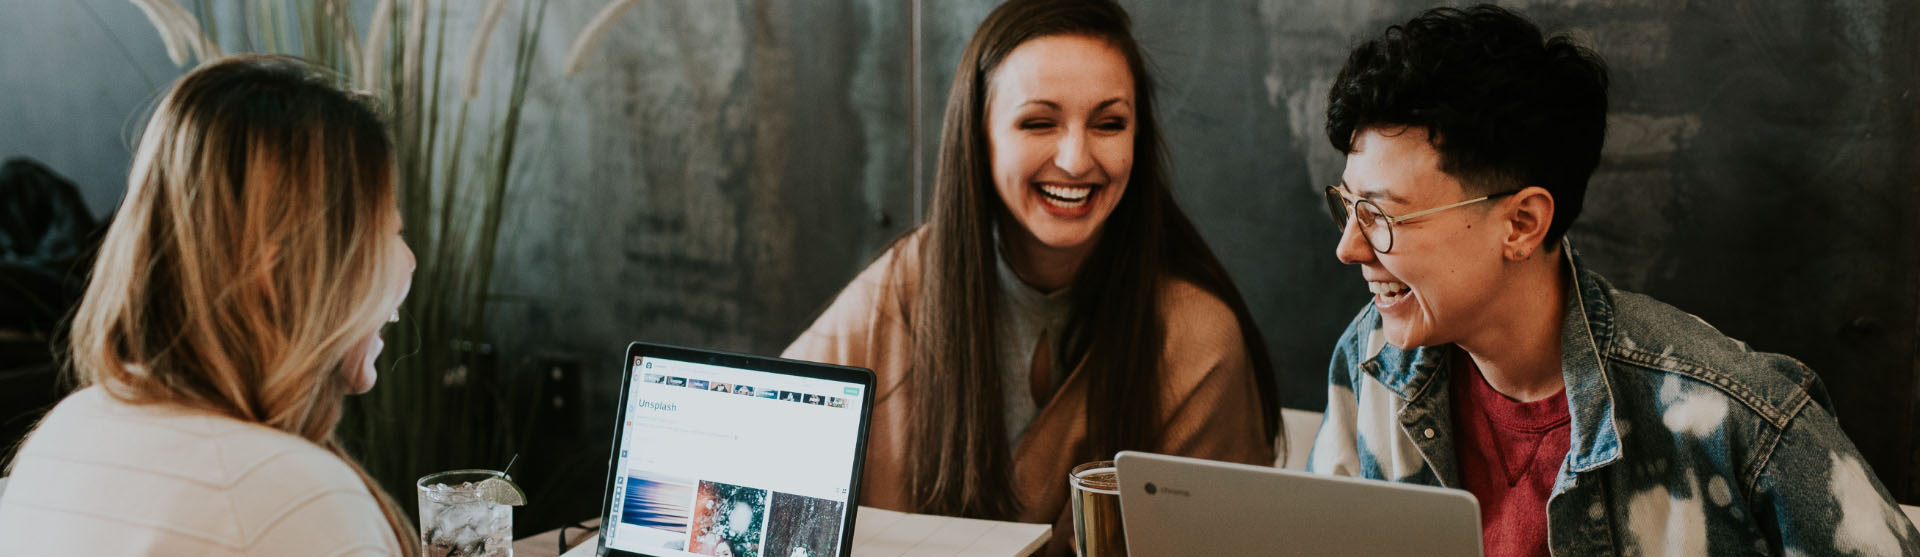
(1210, 404)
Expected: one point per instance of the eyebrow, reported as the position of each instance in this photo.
(1096, 108)
(1374, 194)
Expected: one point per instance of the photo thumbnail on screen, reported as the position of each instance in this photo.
(800, 525)
(661, 504)
(727, 520)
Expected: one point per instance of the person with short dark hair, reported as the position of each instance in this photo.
(1586, 420)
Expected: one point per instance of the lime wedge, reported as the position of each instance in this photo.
(501, 491)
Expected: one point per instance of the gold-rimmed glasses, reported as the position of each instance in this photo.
(1375, 225)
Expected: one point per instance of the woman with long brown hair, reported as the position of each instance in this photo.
(1057, 306)
(236, 301)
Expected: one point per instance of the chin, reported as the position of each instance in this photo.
(1396, 336)
(1065, 237)
(367, 374)
(1402, 335)
(363, 381)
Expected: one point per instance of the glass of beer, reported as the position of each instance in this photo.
(1095, 492)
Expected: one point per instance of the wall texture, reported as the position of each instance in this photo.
(76, 80)
(721, 169)
(710, 180)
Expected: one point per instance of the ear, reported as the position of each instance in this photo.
(1530, 215)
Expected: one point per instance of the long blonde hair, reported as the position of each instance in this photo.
(250, 259)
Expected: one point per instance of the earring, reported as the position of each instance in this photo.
(395, 318)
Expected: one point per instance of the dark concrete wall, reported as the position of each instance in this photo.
(76, 79)
(710, 179)
(721, 169)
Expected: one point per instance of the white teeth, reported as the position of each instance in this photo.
(1066, 193)
(1386, 288)
(1063, 204)
(1066, 196)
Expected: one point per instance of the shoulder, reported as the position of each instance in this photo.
(92, 426)
(1197, 321)
(217, 451)
(1674, 349)
(892, 274)
(896, 270)
(285, 489)
(1203, 341)
(290, 496)
(874, 300)
(179, 473)
(261, 455)
(1643, 324)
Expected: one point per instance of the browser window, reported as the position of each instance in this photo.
(727, 461)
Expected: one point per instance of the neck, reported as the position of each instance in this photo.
(1519, 354)
(1043, 267)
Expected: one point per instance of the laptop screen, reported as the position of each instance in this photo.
(715, 460)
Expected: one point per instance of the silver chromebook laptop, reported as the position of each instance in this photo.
(730, 454)
(1183, 506)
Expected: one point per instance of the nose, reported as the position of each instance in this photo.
(1353, 248)
(1071, 154)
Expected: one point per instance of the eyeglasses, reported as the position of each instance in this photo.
(1375, 225)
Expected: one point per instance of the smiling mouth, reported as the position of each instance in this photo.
(1388, 292)
(1066, 197)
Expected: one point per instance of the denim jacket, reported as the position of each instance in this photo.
(1684, 441)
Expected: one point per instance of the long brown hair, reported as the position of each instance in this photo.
(250, 258)
(959, 462)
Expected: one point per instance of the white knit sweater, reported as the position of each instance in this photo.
(101, 477)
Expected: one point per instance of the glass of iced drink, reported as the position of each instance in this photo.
(468, 513)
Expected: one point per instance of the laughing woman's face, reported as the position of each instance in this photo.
(1060, 121)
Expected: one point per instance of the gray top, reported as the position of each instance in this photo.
(1024, 315)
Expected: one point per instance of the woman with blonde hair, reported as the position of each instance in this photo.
(236, 301)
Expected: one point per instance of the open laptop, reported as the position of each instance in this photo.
(730, 454)
(1184, 506)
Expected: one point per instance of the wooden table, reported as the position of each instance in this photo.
(546, 544)
(885, 533)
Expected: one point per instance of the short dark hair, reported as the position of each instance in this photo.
(1504, 107)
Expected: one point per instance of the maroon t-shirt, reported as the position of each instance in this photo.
(1509, 453)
